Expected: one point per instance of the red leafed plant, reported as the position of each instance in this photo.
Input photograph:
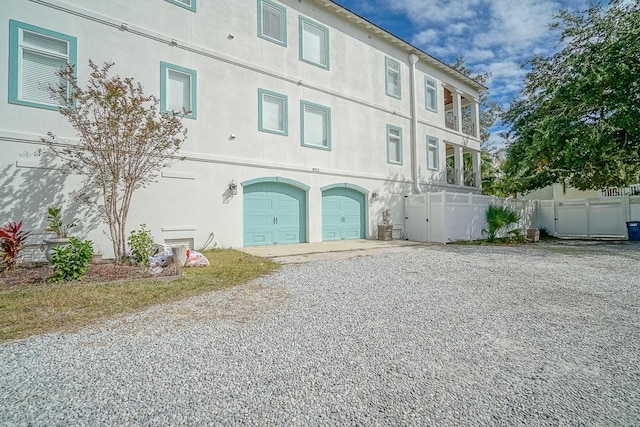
(12, 241)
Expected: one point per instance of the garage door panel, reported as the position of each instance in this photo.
(343, 214)
(274, 213)
(259, 238)
(353, 234)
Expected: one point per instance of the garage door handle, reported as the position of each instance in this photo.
(342, 219)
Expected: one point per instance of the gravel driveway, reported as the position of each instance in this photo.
(455, 335)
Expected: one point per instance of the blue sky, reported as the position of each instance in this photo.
(493, 35)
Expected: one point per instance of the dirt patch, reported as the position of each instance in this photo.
(98, 273)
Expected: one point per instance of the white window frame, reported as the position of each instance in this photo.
(262, 4)
(433, 152)
(324, 62)
(262, 93)
(391, 67)
(304, 105)
(431, 94)
(17, 48)
(165, 68)
(398, 144)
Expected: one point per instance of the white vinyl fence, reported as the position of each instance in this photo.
(444, 217)
(604, 217)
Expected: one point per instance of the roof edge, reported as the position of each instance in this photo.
(377, 30)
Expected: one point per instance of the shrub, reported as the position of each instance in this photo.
(499, 218)
(141, 244)
(70, 262)
(12, 241)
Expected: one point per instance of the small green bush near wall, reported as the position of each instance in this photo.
(70, 262)
(141, 244)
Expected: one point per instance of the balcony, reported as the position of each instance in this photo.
(468, 127)
(468, 177)
(450, 121)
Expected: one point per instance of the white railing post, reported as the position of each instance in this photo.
(626, 210)
(556, 233)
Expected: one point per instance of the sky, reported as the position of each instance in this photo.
(495, 36)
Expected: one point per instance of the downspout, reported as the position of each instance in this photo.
(413, 134)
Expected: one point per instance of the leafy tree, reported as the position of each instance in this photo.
(576, 120)
(490, 111)
(124, 140)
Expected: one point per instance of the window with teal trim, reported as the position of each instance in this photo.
(393, 84)
(272, 22)
(315, 125)
(433, 156)
(314, 43)
(431, 94)
(178, 90)
(272, 112)
(394, 145)
(187, 4)
(35, 56)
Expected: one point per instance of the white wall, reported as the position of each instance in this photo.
(189, 201)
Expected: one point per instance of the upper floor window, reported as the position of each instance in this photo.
(314, 43)
(433, 157)
(272, 112)
(431, 94)
(394, 145)
(392, 78)
(35, 57)
(272, 22)
(178, 90)
(315, 125)
(187, 4)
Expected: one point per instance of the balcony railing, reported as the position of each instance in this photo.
(452, 176)
(468, 177)
(632, 190)
(450, 121)
(468, 127)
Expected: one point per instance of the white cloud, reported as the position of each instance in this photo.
(425, 37)
(479, 55)
(436, 11)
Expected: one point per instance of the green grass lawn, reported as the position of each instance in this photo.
(36, 310)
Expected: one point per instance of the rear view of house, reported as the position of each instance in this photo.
(306, 122)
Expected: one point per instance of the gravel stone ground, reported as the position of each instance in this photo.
(532, 335)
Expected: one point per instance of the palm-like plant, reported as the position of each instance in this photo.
(498, 218)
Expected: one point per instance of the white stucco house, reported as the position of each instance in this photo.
(307, 121)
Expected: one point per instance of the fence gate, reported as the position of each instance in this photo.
(589, 218)
(417, 217)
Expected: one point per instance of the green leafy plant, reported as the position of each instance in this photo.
(71, 262)
(55, 223)
(141, 244)
(498, 218)
(12, 241)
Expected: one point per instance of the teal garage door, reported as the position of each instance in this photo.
(343, 214)
(274, 213)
